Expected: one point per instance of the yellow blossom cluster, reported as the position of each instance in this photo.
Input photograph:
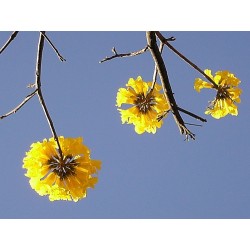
(228, 93)
(147, 105)
(62, 178)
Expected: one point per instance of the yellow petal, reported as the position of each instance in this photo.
(200, 84)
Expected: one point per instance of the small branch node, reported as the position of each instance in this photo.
(170, 39)
(31, 85)
(188, 134)
(114, 51)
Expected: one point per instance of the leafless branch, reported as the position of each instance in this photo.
(12, 37)
(162, 71)
(136, 53)
(37, 85)
(13, 111)
(161, 47)
(165, 41)
(192, 114)
(53, 46)
(192, 124)
(39, 90)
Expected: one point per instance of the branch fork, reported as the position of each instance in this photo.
(160, 69)
(37, 85)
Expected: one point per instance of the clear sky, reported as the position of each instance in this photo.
(143, 176)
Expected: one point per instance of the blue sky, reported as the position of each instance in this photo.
(145, 176)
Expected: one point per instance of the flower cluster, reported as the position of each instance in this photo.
(62, 178)
(148, 104)
(228, 93)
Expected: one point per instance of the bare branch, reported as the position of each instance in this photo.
(136, 53)
(192, 114)
(161, 68)
(12, 37)
(39, 90)
(53, 46)
(165, 41)
(13, 111)
(161, 47)
(192, 124)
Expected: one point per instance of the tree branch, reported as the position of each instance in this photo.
(39, 90)
(53, 46)
(165, 41)
(12, 37)
(161, 68)
(191, 114)
(27, 98)
(155, 70)
(136, 53)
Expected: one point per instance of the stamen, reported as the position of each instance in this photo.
(62, 167)
(144, 103)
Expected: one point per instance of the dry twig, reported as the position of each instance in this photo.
(136, 53)
(39, 90)
(165, 41)
(161, 68)
(53, 46)
(37, 85)
(12, 37)
(26, 99)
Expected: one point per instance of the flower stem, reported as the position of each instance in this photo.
(165, 41)
(39, 90)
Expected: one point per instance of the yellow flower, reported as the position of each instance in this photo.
(61, 179)
(147, 105)
(227, 95)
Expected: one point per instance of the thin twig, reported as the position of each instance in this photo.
(12, 37)
(160, 117)
(192, 114)
(155, 70)
(27, 98)
(53, 46)
(165, 41)
(192, 124)
(39, 90)
(161, 68)
(136, 53)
